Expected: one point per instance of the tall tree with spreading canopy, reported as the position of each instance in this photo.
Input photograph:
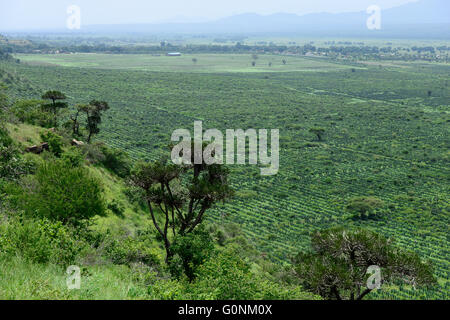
(56, 97)
(93, 112)
(182, 193)
(336, 268)
(74, 118)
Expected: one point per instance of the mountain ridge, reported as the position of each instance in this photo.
(421, 12)
(421, 19)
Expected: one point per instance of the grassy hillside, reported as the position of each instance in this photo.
(119, 253)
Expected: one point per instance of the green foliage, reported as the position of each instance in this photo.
(189, 252)
(130, 250)
(318, 132)
(54, 95)
(93, 152)
(364, 204)
(116, 160)
(39, 241)
(5, 139)
(32, 112)
(55, 142)
(364, 207)
(227, 277)
(164, 289)
(337, 266)
(113, 159)
(183, 204)
(384, 137)
(62, 193)
(93, 113)
(23, 280)
(12, 164)
(56, 105)
(4, 101)
(116, 207)
(73, 157)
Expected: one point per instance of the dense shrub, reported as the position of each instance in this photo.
(40, 241)
(12, 164)
(5, 139)
(116, 160)
(189, 252)
(228, 277)
(117, 207)
(131, 250)
(55, 142)
(62, 193)
(30, 111)
(93, 153)
(73, 157)
(364, 207)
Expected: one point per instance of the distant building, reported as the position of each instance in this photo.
(173, 54)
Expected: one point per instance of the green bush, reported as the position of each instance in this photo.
(131, 250)
(228, 277)
(12, 164)
(30, 111)
(93, 153)
(364, 207)
(116, 207)
(73, 157)
(54, 141)
(39, 241)
(116, 160)
(165, 289)
(189, 252)
(5, 139)
(62, 193)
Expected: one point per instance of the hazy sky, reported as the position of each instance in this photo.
(44, 14)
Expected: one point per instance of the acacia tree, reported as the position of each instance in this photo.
(337, 267)
(56, 104)
(74, 118)
(94, 116)
(364, 207)
(182, 193)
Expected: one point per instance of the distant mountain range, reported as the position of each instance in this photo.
(424, 19)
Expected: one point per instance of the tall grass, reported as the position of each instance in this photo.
(21, 279)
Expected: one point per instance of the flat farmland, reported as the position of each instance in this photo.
(205, 63)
